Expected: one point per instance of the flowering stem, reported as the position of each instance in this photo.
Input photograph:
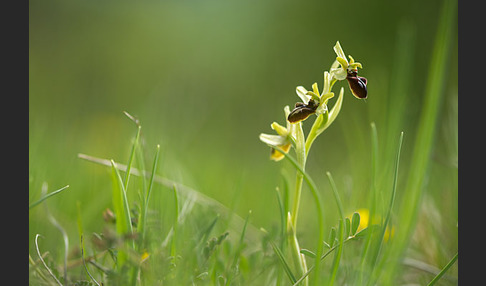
(301, 158)
(299, 259)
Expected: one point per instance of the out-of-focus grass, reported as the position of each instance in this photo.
(205, 79)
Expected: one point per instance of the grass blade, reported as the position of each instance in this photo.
(121, 209)
(145, 201)
(120, 203)
(45, 197)
(284, 263)
(388, 215)
(175, 226)
(132, 153)
(443, 271)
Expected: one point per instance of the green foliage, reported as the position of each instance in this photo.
(179, 214)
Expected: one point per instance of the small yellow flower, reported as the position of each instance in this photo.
(284, 139)
(145, 256)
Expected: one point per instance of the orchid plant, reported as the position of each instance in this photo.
(314, 102)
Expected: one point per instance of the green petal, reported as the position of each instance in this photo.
(339, 51)
(282, 131)
(315, 88)
(343, 62)
(302, 93)
(273, 140)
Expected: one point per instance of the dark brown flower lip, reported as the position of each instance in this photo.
(302, 111)
(358, 85)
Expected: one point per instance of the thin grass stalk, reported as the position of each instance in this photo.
(373, 200)
(59, 227)
(146, 199)
(380, 239)
(45, 197)
(132, 155)
(175, 226)
(443, 271)
(43, 262)
(65, 240)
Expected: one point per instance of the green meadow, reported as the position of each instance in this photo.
(146, 165)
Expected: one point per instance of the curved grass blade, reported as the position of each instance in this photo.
(64, 237)
(42, 260)
(45, 197)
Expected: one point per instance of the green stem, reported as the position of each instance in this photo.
(444, 270)
(301, 158)
(299, 259)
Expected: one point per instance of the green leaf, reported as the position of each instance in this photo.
(355, 223)
(307, 252)
(347, 227)
(332, 236)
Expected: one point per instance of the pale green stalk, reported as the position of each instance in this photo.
(320, 214)
(300, 151)
(299, 259)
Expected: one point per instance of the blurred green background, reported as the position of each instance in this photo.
(205, 78)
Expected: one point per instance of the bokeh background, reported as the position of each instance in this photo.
(205, 78)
